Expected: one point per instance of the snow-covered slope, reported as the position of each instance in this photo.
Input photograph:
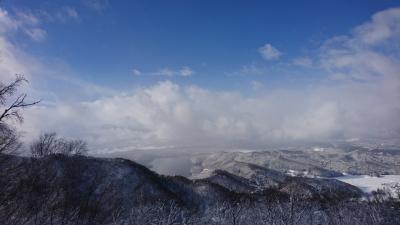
(369, 183)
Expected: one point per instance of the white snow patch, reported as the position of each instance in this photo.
(244, 150)
(203, 174)
(368, 184)
(318, 149)
(296, 173)
(292, 173)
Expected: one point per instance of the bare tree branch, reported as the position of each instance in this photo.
(7, 91)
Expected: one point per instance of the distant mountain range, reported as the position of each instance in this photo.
(314, 162)
(329, 160)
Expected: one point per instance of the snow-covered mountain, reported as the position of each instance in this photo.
(60, 189)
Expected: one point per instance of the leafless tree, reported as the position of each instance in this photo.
(50, 143)
(74, 147)
(47, 144)
(9, 137)
(12, 107)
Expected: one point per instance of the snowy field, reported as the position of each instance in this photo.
(368, 184)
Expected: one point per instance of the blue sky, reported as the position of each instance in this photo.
(213, 38)
(141, 74)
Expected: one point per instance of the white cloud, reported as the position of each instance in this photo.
(97, 5)
(166, 72)
(27, 18)
(71, 12)
(365, 55)
(7, 23)
(383, 26)
(61, 15)
(256, 85)
(168, 114)
(303, 61)
(36, 34)
(251, 69)
(136, 72)
(21, 21)
(186, 71)
(12, 60)
(268, 52)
